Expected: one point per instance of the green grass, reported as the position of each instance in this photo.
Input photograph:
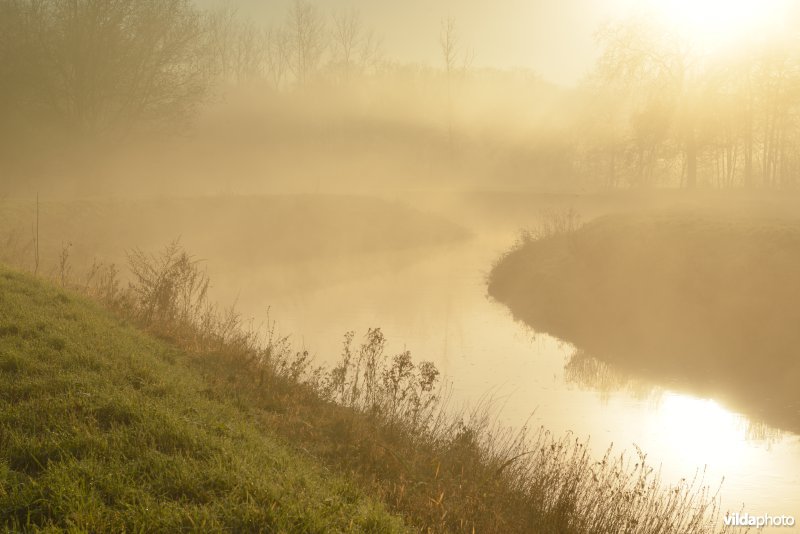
(106, 429)
(706, 299)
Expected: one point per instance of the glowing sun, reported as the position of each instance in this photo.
(721, 24)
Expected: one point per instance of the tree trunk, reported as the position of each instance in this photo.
(691, 161)
(748, 143)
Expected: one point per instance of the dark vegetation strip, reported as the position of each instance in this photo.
(705, 299)
(385, 421)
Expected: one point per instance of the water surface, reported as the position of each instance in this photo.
(433, 302)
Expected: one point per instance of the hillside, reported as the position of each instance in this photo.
(694, 300)
(103, 429)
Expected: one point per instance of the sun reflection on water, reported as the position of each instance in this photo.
(746, 460)
(702, 432)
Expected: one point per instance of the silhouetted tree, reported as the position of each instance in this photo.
(448, 42)
(96, 66)
(668, 81)
(309, 39)
(223, 27)
(278, 55)
(354, 49)
(250, 51)
(733, 120)
(455, 61)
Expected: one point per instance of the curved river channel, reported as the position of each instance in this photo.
(433, 302)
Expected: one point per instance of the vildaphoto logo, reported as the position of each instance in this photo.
(766, 520)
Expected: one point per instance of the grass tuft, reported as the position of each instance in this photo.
(209, 424)
(106, 429)
(385, 419)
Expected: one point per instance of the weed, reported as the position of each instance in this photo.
(64, 267)
(387, 421)
(131, 444)
(552, 222)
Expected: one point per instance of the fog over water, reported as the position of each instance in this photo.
(584, 213)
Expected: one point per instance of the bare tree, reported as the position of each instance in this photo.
(354, 49)
(250, 50)
(346, 35)
(371, 51)
(777, 122)
(601, 133)
(222, 26)
(448, 42)
(727, 121)
(668, 87)
(451, 58)
(309, 39)
(278, 55)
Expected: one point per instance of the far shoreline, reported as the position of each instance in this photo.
(706, 299)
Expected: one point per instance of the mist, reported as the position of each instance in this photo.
(406, 235)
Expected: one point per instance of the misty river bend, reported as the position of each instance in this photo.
(433, 302)
(421, 275)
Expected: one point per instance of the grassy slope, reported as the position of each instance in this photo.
(105, 429)
(708, 300)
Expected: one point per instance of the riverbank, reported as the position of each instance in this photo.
(375, 423)
(106, 429)
(701, 300)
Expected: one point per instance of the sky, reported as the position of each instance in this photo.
(553, 38)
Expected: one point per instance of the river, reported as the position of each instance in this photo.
(433, 302)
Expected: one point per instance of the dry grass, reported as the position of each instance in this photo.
(385, 420)
(105, 429)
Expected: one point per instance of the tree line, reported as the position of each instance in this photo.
(662, 113)
(98, 66)
(306, 46)
(654, 111)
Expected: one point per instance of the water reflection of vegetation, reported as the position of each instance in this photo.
(380, 419)
(674, 296)
(588, 372)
